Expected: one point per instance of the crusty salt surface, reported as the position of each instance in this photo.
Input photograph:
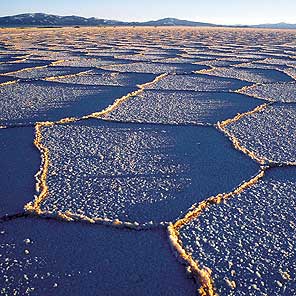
(249, 240)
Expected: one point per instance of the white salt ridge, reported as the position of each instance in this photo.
(284, 62)
(291, 72)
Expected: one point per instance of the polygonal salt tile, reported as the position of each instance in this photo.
(281, 92)
(251, 75)
(181, 107)
(156, 68)
(47, 72)
(136, 172)
(107, 78)
(198, 82)
(270, 133)
(249, 240)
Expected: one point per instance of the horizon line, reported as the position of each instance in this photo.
(149, 20)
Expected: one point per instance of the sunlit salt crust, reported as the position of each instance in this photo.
(208, 154)
(198, 82)
(284, 62)
(94, 77)
(260, 67)
(47, 72)
(135, 172)
(282, 92)
(12, 67)
(181, 107)
(156, 68)
(177, 60)
(269, 133)
(249, 241)
(141, 57)
(251, 75)
(85, 62)
(221, 62)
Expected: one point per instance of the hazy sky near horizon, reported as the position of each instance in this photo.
(214, 11)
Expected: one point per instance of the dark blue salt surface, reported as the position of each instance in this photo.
(5, 68)
(84, 259)
(101, 97)
(19, 162)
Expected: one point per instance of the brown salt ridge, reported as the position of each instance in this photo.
(66, 75)
(203, 274)
(244, 89)
(236, 143)
(9, 82)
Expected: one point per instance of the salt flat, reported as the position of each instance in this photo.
(169, 149)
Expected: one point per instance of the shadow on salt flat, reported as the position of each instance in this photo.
(55, 258)
(30, 102)
(48, 72)
(19, 162)
(11, 67)
(4, 79)
(138, 172)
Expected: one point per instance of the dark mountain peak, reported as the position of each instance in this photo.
(43, 19)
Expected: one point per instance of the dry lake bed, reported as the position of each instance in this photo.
(147, 161)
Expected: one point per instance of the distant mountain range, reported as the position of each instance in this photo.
(49, 20)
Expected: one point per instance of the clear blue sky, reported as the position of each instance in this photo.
(216, 11)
